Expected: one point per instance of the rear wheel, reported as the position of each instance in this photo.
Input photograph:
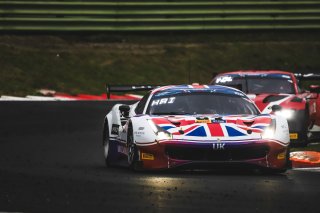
(106, 145)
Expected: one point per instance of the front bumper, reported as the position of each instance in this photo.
(174, 154)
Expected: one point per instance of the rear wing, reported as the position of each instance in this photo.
(128, 88)
(307, 76)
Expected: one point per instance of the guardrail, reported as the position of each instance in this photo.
(158, 15)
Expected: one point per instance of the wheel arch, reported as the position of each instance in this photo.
(112, 117)
(142, 131)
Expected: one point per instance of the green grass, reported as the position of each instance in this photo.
(84, 63)
(310, 147)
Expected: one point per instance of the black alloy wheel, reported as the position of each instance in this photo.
(132, 150)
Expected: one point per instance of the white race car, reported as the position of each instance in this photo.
(195, 126)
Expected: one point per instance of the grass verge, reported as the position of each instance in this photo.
(84, 63)
(310, 147)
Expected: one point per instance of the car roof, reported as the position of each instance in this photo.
(174, 89)
(256, 72)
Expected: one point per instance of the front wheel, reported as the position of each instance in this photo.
(133, 155)
(304, 130)
(288, 165)
(299, 125)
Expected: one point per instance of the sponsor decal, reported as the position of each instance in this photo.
(163, 101)
(293, 135)
(138, 133)
(203, 120)
(207, 121)
(115, 129)
(218, 146)
(218, 121)
(224, 79)
(147, 156)
(281, 156)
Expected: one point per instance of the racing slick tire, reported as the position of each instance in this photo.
(133, 154)
(300, 125)
(288, 161)
(305, 127)
(304, 131)
(106, 142)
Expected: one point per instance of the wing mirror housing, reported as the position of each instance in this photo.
(124, 110)
(314, 89)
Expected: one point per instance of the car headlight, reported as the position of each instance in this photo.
(160, 133)
(287, 113)
(269, 131)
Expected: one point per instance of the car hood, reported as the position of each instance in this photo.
(265, 101)
(209, 127)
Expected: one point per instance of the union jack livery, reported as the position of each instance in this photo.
(267, 88)
(195, 126)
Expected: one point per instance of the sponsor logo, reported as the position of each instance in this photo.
(138, 133)
(281, 156)
(218, 121)
(147, 156)
(203, 121)
(115, 129)
(293, 135)
(163, 101)
(224, 79)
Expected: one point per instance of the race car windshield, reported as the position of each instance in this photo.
(259, 85)
(270, 85)
(201, 103)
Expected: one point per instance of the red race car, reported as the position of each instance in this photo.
(269, 89)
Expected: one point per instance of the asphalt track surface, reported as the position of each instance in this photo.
(51, 160)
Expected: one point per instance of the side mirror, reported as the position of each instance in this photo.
(124, 110)
(314, 88)
(276, 108)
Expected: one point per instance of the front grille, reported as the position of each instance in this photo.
(209, 154)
